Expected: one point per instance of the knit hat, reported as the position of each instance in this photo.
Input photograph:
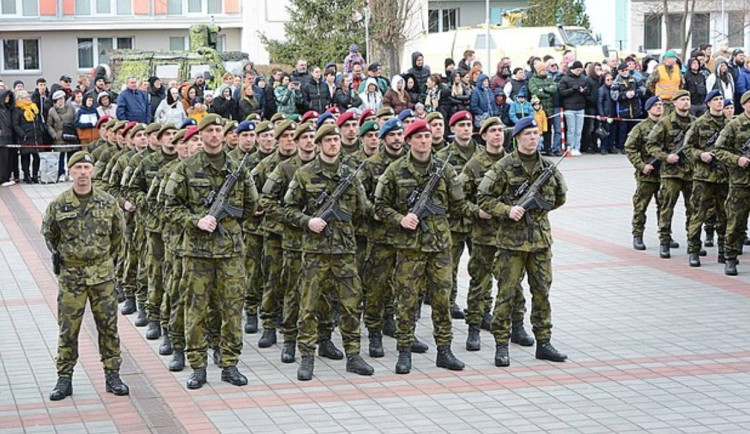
(576, 65)
(522, 93)
(672, 55)
(102, 95)
(57, 95)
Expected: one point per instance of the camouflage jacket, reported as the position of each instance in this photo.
(133, 164)
(86, 238)
(269, 224)
(376, 231)
(185, 202)
(439, 146)
(661, 142)
(252, 225)
(355, 159)
(103, 163)
(483, 231)
(114, 186)
(307, 185)
(144, 184)
(705, 128)
(497, 196)
(398, 182)
(459, 157)
(635, 149)
(734, 142)
(98, 147)
(353, 149)
(171, 233)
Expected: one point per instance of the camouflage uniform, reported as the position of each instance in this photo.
(213, 263)
(353, 160)
(423, 258)
(522, 246)
(351, 149)
(439, 146)
(484, 247)
(326, 257)
(647, 186)
(675, 178)
(87, 233)
(99, 147)
(733, 138)
(710, 186)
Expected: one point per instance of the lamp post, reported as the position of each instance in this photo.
(487, 30)
(367, 31)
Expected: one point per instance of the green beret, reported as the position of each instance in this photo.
(307, 127)
(118, 125)
(135, 129)
(178, 136)
(110, 124)
(286, 125)
(263, 127)
(278, 116)
(210, 119)
(745, 96)
(164, 128)
(488, 123)
(153, 128)
(80, 157)
(253, 117)
(680, 93)
(326, 130)
(385, 111)
(367, 127)
(229, 127)
(432, 116)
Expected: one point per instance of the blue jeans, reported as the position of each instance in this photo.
(573, 128)
(556, 136)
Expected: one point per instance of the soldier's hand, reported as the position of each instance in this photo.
(673, 158)
(516, 213)
(647, 169)
(410, 221)
(376, 217)
(484, 216)
(129, 207)
(261, 212)
(316, 224)
(207, 223)
(743, 162)
(706, 157)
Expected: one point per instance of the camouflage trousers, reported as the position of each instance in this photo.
(290, 281)
(155, 266)
(273, 292)
(378, 285)
(510, 266)
(479, 298)
(321, 274)
(71, 305)
(414, 272)
(459, 241)
(135, 280)
(361, 256)
(173, 271)
(254, 287)
(644, 192)
(707, 196)
(206, 281)
(669, 192)
(737, 207)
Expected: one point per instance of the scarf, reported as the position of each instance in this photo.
(30, 110)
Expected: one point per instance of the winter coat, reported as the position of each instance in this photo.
(270, 106)
(725, 86)
(315, 95)
(27, 133)
(155, 97)
(594, 84)
(391, 98)
(605, 105)
(374, 100)
(60, 120)
(226, 108)
(520, 110)
(85, 122)
(249, 105)
(6, 117)
(545, 88)
(482, 103)
(499, 80)
(345, 99)
(627, 107)
(110, 111)
(350, 60)
(743, 85)
(570, 96)
(170, 113)
(695, 83)
(420, 73)
(415, 93)
(513, 86)
(43, 102)
(286, 99)
(133, 105)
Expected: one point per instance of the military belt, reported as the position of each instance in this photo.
(88, 263)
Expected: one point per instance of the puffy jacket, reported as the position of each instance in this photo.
(286, 99)
(57, 119)
(168, 113)
(743, 84)
(226, 108)
(570, 97)
(695, 83)
(501, 77)
(85, 122)
(249, 105)
(133, 105)
(605, 105)
(482, 103)
(345, 99)
(624, 106)
(420, 73)
(520, 110)
(155, 97)
(315, 95)
(391, 98)
(6, 117)
(545, 88)
(374, 100)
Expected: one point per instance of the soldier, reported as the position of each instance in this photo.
(325, 119)
(100, 145)
(84, 226)
(646, 172)
(710, 186)
(384, 115)
(349, 127)
(460, 151)
(230, 136)
(277, 119)
(424, 256)
(483, 237)
(213, 262)
(665, 138)
(437, 124)
(733, 150)
(407, 118)
(114, 137)
(524, 244)
(328, 254)
(310, 116)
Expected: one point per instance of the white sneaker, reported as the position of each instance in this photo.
(8, 183)
(575, 153)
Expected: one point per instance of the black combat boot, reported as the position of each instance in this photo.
(153, 331)
(487, 321)
(747, 240)
(376, 345)
(120, 293)
(702, 252)
(165, 348)
(251, 324)
(502, 356)
(403, 364)
(232, 375)
(141, 319)
(178, 361)
(268, 338)
(129, 306)
(357, 365)
(519, 336)
(545, 351)
(288, 351)
(709, 242)
(740, 249)
(456, 312)
(62, 390)
(664, 251)
(730, 267)
(389, 326)
(694, 260)
(327, 349)
(446, 359)
(114, 384)
(197, 379)
(217, 355)
(473, 342)
(673, 244)
(419, 347)
(638, 243)
(306, 368)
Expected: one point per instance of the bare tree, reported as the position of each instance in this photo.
(391, 29)
(685, 31)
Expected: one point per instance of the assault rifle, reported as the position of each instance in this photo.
(710, 144)
(679, 150)
(745, 149)
(420, 203)
(529, 196)
(218, 203)
(328, 204)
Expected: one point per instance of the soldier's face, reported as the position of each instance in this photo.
(103, 133)
(195, 144)
(330, 146)
(494, 137)
(729, 111)
(408, 121)
(140, 140)
(166, 142)
(394, 140)
(287, 145)
(81, 174)
(349, 130)
(438, 129)
(153, 141)
(682, 104)
(266, 142)
(371, 140)
(421, 143)
(306, 142)
(528, 140)
(212, 137)
(182, 149)
(716, 104)
(657, 109)
(246, 140)
(746, 107)
(231, 139)
(462, 130)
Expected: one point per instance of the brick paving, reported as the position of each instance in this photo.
(654, 346)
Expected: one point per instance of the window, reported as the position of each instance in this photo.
(433, 21)
(174, 7)
(26, 8)
(481, 43)
(104, 7)
(83, 7)
(20, 55)
(701, 33)
(123, 7)
(214, 6)
(652, 32)
(673, 31)
(441, 20)
(178, 43)
(736, 29)
(92, 51)
(195, 6)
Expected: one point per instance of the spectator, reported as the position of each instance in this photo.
(357, 76)
(502, 74)
(200, 84)
(627, 93)
(208, 100)
(300, 72)
(476, 71)
(435, 91)
(249, 80)
(132, 104)
(503, 107)
(188, 94)
(249, 104)
(330, 82)
(171, 110)
(29, 129)
(61, 127)
(315, 94)
(633, 68)
(482, 103)
(531, 64)
(85, 121)
(7, 102)
(450, 66)
(104, 105)
(420, 71)
(156, 93)
(84, 83)
(198, 110)
(374, 71)
(41, 98)
(695, 83)
(77, 99)
(396, 97)
(521, 107)
(465, 63)
(346, 97)
(515, 83)
(594, 81)
(541, 119)
(460, 94)
(413, 89)
(722, 80)
(269, 95)
(605, 106)
(99, 87)
(287, 94)
(228, 79)
(573, 92)
(353, 58)
(372, 97)
(64, 85)
(225, 106)
(18, 85)
(544, 87)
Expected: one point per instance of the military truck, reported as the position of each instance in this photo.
(178, 65)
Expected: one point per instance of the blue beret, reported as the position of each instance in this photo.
(245, 126)
(188, 122)
(393, 124)
(322, 119)
(711, 95)
(728, 102)
(523, 124)
(650, 102)
(406, 113)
